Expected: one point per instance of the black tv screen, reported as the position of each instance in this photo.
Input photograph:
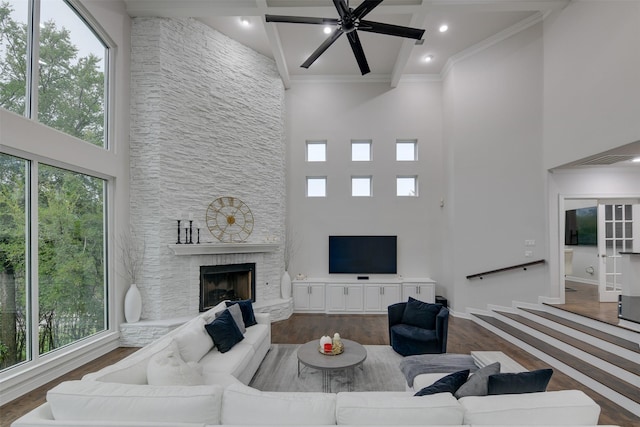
(581, 227)
(363, 254)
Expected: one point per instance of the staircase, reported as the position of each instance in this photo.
(603, 357)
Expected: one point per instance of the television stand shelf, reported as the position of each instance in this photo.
(351, 295)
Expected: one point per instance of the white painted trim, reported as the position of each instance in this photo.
(629, 325)
(21, 380)
(223, 248)
(581, 280)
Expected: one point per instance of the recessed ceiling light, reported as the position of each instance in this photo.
(328, 30)
(428, 58)
(245, 21)
(443, 28)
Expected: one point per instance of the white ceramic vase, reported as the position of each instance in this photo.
(285, 285)
(132, 304)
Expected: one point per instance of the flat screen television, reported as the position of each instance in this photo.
(363, 254)
(581, 227)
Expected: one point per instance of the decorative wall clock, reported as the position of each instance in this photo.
(229, 219)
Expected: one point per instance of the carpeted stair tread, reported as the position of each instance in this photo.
(612, 358)
(620, 342)
(597, 374)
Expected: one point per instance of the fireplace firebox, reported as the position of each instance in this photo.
(226, 282)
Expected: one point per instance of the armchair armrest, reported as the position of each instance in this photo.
(442, 327)
(395, 312)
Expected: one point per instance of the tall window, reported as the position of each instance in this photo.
(67, 70)
(15, 322)
(71, 285)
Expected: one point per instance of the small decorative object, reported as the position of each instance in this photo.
(178, 242)
(328, 347)
(337, 342)
(285, 285)
(229, 219)
(301, 276)
(132, 304)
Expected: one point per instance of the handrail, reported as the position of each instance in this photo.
(513, 267)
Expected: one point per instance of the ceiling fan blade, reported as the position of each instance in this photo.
(301, 20)
(343, 9)
(320, 50)
(391, 30)
(358, 52)
(365, 7)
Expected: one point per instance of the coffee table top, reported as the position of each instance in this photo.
(353, 355)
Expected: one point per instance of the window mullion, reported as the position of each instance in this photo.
(32, 289)
(33, 63)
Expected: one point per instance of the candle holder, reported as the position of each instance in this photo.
(178, 242)
(191, 232)
(198, 242)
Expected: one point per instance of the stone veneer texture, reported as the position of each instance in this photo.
(207, 120)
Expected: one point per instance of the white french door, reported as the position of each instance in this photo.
(615, 235)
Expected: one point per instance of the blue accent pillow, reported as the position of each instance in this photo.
(420, 314)
(449, 384)
(224, 332)
(520, 382)
(247, 311)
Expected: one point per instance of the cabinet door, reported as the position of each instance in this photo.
(336, 298)
(353, 298)
(391, 294)
(316, 296)
(409, 290)
(300, 296)
(372, 297)
(427, 293)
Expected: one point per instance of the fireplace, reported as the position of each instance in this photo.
(226, 282)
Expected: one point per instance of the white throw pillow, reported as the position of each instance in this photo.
(194, 341)
(168, 368)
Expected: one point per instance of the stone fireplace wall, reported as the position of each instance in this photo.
(207, 120)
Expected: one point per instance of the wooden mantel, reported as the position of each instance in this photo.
(222, 248)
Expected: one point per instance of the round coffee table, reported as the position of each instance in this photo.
(354, 354)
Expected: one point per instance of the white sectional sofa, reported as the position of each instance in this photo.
(120, 396)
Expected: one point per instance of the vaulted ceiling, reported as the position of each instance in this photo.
(472, 25)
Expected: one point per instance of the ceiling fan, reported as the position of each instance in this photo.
(349, 22)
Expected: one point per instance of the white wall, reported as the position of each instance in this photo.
(206, 121)
(339, 112)
(495, 185)
(591, 84)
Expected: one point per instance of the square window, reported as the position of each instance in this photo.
(361, 186)
(407, 150)
(407, 186)
(361, 151)
(316, 151)
(317, 186)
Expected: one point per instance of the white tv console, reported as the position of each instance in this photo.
(350, 295)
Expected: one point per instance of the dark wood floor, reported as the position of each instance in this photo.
(582, 299)
(464, 336)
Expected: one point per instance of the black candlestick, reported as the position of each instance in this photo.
(191, 232)
(178, 242)
(198, 242)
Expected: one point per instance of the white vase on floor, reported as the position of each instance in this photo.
(285, 285)
(132, 304)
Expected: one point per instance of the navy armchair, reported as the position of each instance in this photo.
(417, 327)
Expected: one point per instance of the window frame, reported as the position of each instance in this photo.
(362, 177)
(414, 142)
(308, 178)
(415, 185)
(368, 143)
(308, 143)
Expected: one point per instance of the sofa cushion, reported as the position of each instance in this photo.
(233, 362)
(256, 335)
(478, 383)
(224, 332)
(397, 408)
(245, 405)
(193, 341)
(247, 311)
(420, 314)
(98, 401)
(447, 384)
(168, 368)
(566, 407)
(236, 313)
(520, 382)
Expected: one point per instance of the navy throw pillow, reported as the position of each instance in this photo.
(520, 382)
(449, 384)
(420, 314)
(247, 311)
(224, 331)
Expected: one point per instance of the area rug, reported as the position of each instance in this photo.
(279, 372)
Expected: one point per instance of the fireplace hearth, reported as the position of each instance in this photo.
(226, 282)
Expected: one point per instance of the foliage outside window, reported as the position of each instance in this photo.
(71, 77)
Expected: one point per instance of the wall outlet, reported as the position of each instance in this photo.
(528, 254)
(530, 242)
